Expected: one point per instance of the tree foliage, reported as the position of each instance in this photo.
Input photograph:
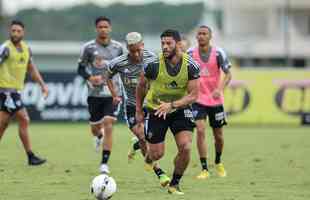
(77, 23)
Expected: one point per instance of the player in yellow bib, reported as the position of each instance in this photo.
(15, 62)
(170, 85)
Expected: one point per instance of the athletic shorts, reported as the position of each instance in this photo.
(130, 116)
(101, 107)
(10, 102)
(156, 128)
(216, 114)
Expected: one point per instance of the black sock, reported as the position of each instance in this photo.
(218, 157)
(158, 171)
(175, 179)
(136, 145)
(204, 163)
(30, 154)
(99, 136)
(105, 156)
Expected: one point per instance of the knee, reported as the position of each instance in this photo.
(200, 131)
(24, 121)
(185, 149)
(156, 155)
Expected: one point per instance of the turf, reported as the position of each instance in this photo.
(262, 163)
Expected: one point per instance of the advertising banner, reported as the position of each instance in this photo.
(268, 96)
(254, 96)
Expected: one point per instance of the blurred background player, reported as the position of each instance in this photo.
(170, 85)
(129, 66)
(15, 62)
(185, 44)
(93, 62)
(212, 61)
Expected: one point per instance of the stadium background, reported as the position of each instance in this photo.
(266, 146)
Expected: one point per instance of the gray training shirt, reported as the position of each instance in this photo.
(94, 60)
(130, 73)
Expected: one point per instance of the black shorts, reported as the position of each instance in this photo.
(156, 128)
(101, 107)
(216, 114)
(130, 116)
(11, 102)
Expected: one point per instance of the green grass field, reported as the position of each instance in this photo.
(262, 163)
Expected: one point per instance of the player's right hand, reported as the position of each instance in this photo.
(96, 80)
(117, 100)
(45, 91)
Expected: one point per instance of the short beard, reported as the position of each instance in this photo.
(173, 53)
(15, 41)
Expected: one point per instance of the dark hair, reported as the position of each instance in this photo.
(171, 33)
(207, 27)
(102, 18)
(17, 22)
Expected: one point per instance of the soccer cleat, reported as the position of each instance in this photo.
(34, 160)
(204, 174)
(132, 152)
(164, 180)
(104, 169)
(175, 189)
(220, 170)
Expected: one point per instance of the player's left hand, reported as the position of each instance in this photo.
(163, 109)
(44, 89)
(216, 93)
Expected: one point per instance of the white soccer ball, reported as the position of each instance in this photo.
(103, 187)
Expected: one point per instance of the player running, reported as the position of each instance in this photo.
(170, 85)
(129, 66)
(15, 62)
(92, 64)
(212, 61)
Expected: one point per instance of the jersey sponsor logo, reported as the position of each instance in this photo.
(130, 81)
(172, 85)
(22, 60)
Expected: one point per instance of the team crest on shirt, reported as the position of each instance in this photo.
(99, 61)
(204, 72)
